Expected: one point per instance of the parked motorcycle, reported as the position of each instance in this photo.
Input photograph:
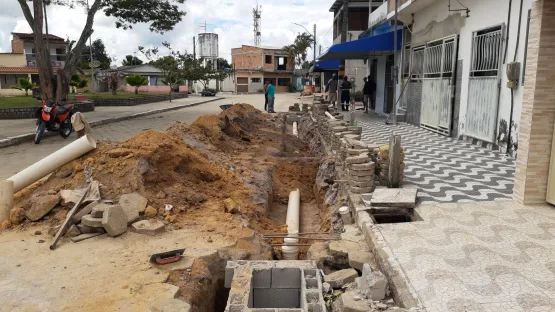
(53, 117)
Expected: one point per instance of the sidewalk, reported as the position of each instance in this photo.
(19, 128)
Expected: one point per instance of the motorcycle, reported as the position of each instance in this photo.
(54, 118)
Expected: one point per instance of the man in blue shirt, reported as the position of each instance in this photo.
(271, 90)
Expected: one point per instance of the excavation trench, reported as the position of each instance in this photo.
(289, 163)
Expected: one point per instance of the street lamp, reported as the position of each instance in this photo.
(314, 35)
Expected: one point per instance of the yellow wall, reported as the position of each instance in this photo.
(13, 60)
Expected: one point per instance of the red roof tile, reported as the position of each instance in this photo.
(19, 70)
(27, 36)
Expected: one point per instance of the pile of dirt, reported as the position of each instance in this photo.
(165, 170)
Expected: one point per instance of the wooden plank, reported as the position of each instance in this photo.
(67, 222)
(394, 161)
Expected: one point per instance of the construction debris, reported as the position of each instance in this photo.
(148, 227)
(115, 220)
(340, 278)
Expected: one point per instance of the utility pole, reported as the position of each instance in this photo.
(91, 56)
(344, 32)
(194, 48)
(314, 43)
(395, 65)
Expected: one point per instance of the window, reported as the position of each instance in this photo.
(487, 51)
(256, 80)
(282, 63)
(61, 51)
(268, 59)
(284, 82)
(406, 61)
(439, 57)
(416, 63)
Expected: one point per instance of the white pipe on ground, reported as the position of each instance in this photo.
(295, 129)
(6, 199)
(330, 116)
(52, 162)
(292, 221)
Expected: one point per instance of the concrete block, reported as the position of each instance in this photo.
(286, 278)
(373, 283)
(170, 305)
(310, 273)
(115, 220)
(350, 301)
(368, 178)
(148, 227)
(339, 278)
(236, 308)
(367, 166)
(132, 205)
(320, 253)
(401, 197)
(98, 210)
(361, 173)
(361, 159)
(262, 278)
(90, 221)
(228, 277)
(357, 259)
(276, 298)
(311, 283)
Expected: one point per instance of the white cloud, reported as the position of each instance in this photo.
(231, 20)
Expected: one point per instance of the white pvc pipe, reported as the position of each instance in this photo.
(52, 162)
(6, 199)
(292, 221)
(295, 129)
(330, 116)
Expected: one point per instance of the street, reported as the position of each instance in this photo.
(17, 157)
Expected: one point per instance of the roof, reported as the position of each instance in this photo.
(260, 47)
(337, 4)
(19, 70)
(30, 36)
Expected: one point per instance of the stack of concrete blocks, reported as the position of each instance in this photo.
(383, 165)
(274, 286)
(359, 166)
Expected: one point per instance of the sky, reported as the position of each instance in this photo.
(230, 19)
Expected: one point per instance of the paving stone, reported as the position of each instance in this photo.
(357, 259)
(368, 178)
(367, 166)
(73, 231)
(361, 159)
(115, 221)
(149, 227)
(402, 197)
(89, 220)
(361, 173)
(341, 248)
(84, 211)
(87, 229)
(132, 205)
(350, 302)
(170, 305)
(339, 278)
(373, 283)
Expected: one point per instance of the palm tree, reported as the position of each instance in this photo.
(136, 81)
(25, 84)
(297, 50)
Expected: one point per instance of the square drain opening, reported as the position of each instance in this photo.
(392, 218)
(276, 288)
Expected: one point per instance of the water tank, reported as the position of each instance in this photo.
(208, 45)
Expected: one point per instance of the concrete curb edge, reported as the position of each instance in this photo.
(30, 136)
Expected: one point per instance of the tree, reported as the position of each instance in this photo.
(25, 84)
(78, 83)
(113, 82)
(162, 15)
(98, 53)
(136, 81)
(297, 50)
(131, 60)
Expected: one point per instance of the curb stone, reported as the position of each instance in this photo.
(30, 136)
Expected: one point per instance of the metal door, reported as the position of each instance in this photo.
(438, 84)
(242, 84)
(484, 84)
(413, 90)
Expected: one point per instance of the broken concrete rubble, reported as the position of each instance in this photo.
(115, 220)
(84, 211)
(87, 229)
(341, 248)
(357, 259)
(132, 204)
(339, 278)
(98, 210)
(148, 227)
(91, 221)
(350, 301)
(373, 283)
(41, 205)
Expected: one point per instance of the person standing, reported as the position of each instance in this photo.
(332, 89)
(366, 94)
(372, 94)
(271, 97)
(266, 95)
(346, 86)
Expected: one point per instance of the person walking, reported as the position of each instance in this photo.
(266, 95)
(346, 86)
(332, 89)
(271, 97)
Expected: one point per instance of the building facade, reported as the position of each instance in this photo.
(253, 66)
(21, 61)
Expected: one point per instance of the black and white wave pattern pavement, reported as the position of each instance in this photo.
(446, 169)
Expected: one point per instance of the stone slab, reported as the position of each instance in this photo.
(84, 211)
(132, 205)
(339, 278)
(98, 210)
(148, 227)
(90, 221)
(83, 237)
(341, 248)
(357, 259)
(350, 301)
(401, 197)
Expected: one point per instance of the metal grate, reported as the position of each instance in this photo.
(417, 63)
(487, 49)
(432, 60)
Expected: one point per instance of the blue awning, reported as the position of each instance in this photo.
(327, 65)
(364, 48)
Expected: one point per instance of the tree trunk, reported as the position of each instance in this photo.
(62, 85)
(136, 90)
(44, 64)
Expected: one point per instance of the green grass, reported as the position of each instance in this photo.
(18, 102)
(119, 95)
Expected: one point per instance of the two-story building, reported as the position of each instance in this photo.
(253, 66)
(21, 62)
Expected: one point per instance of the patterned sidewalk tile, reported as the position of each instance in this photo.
(445, 169)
